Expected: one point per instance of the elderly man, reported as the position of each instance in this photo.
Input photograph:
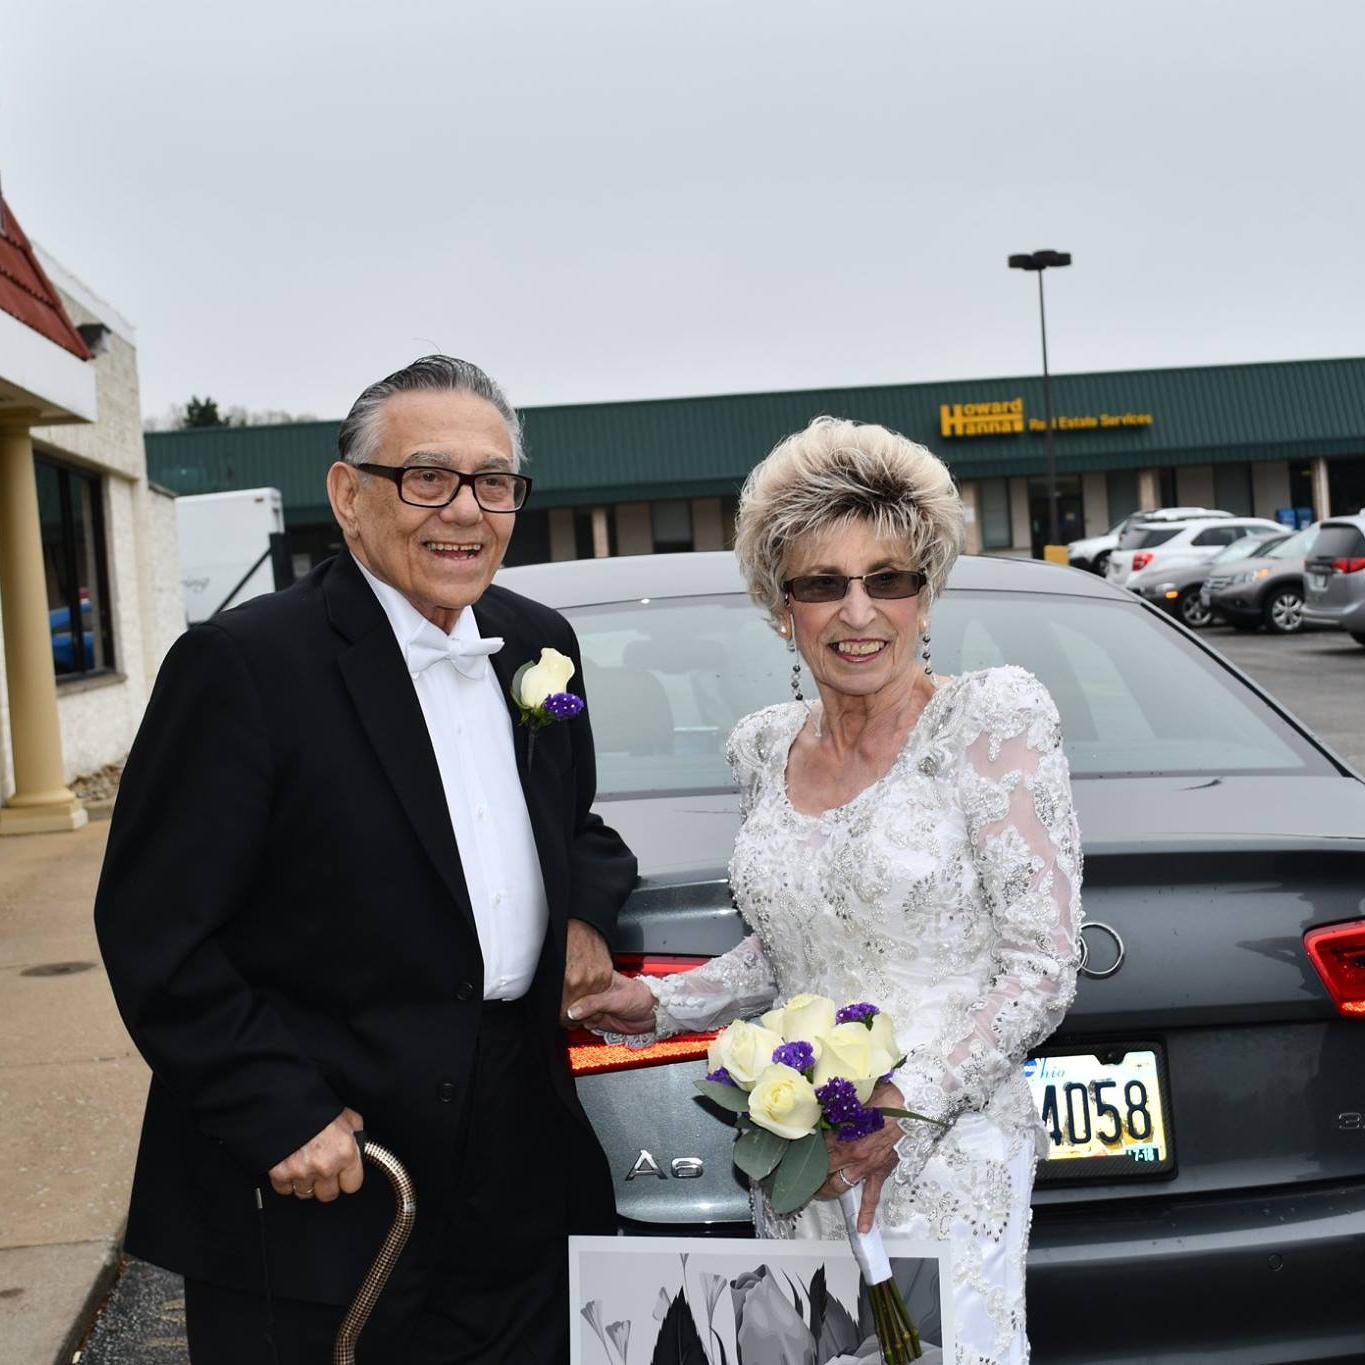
(338, 892)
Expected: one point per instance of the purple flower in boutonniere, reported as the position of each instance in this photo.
(538, 694)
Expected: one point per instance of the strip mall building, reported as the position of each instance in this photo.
(630, 478)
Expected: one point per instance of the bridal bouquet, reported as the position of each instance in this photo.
(798, 1072)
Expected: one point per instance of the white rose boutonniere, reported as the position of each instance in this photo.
(538, 691)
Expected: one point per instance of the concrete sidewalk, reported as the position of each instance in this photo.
(71, 1093)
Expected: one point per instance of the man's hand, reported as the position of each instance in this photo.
(627, 1007)
(326, 1166)
(587, 966)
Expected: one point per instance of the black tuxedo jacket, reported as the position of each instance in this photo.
(287, 930)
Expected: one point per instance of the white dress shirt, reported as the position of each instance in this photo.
(471, 733)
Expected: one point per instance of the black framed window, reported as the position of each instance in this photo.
(671, 526)
(71, 512)
(997, 532)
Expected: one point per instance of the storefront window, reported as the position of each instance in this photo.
(672, 526)
(1121, 485)
(71, 511)
(1232, 488)
(996, 533)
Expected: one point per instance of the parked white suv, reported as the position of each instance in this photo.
(1093, 552)
(1148, 544)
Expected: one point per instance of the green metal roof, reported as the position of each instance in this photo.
(695, 447)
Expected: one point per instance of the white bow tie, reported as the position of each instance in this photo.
(430, 645)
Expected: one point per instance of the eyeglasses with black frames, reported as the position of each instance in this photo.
(887, 584)
(426, 485)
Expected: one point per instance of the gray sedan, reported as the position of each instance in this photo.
(1178, 588)
(1265, 589)
(1204, 1195)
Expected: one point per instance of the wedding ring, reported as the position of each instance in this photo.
(304, 1194)
(848, 1184)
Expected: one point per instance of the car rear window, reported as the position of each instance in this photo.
(1338, 540)
(668, 678)
(1144, 537)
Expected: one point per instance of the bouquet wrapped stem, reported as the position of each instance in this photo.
(806, 1070)
(895, 1330)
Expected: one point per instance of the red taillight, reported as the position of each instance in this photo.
(590, 1056)
(1338, 953)
(1141, 560)
(1348, 565)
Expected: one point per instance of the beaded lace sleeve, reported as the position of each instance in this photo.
(738, 984)
(1015, 791)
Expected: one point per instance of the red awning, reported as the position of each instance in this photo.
(26, 292)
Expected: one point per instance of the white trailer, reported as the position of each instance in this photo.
(232, 548)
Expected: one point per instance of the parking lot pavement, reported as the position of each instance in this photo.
(1319, 675)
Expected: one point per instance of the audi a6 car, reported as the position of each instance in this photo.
(1204, 1099)
(1180, 590)
(1265, 589)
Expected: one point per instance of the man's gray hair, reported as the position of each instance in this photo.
(358, 438)
(836, 472)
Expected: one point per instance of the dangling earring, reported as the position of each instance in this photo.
(796, 672)
(924, 654)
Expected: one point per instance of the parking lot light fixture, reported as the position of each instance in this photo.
(1038, 262)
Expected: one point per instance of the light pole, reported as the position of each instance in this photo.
(1039, 261)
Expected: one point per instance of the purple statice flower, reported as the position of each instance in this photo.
(862, 1013)
(799, 1056)
(845, 1112)
(562, 705)
(721, 1076)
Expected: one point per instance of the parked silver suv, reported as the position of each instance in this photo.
(1334, 576)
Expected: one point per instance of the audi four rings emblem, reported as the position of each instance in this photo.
(1109, 942)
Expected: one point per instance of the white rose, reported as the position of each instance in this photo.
(783, 1101)
(884, 1045)
(850, 1052)
(744, 1050)
(804, 1018)
(546, 677)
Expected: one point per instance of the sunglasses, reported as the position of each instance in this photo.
(889, 584)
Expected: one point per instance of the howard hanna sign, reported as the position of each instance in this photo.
(1006, 418)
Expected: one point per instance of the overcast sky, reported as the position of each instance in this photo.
(627, 198)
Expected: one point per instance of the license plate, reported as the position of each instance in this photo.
(1317, 581)
(1106, 1111)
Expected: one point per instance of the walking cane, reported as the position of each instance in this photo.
(405, 1214)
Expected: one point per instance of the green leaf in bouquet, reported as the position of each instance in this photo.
(803, 1169)
(909, 1114)
(758, 1151)
(729, 1097)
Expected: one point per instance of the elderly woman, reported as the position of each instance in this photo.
(908, 839)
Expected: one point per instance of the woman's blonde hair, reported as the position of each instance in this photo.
(836, 472)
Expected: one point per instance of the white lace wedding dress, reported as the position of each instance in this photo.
(947, 892)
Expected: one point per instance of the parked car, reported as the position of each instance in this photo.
(1334, 576)
(1263, 590)
(1146, 545)
(1179, 589)
(1093, 552)
(1225, 855)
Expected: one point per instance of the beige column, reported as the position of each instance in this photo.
(1148, 490)
(708, 525)
(1322, 490)
(601, 540)
(970, 494)
(562, 544)
(41, 801)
